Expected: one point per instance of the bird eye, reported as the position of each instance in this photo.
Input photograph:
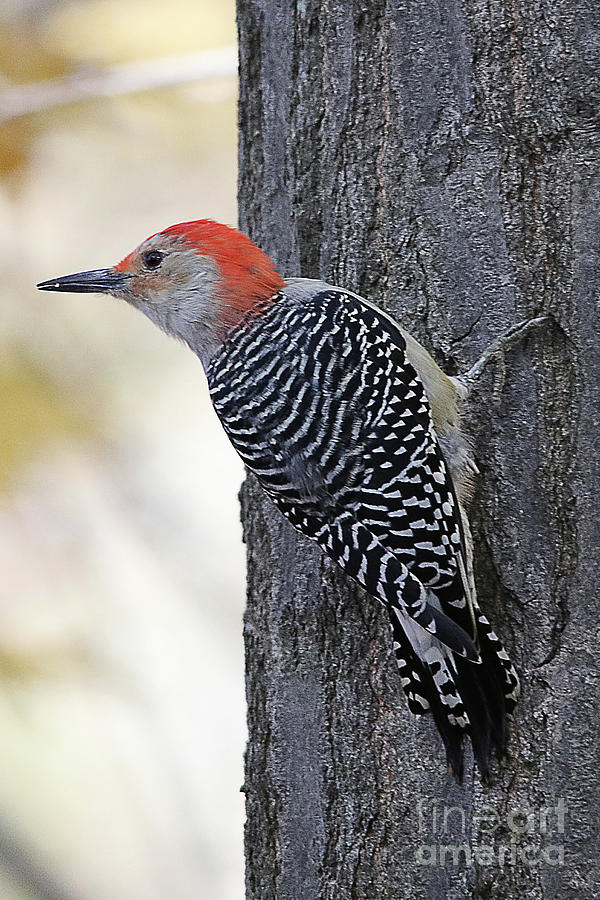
(152, 259)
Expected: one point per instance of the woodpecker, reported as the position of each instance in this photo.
(354, 432)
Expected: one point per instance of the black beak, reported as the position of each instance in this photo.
(102, 281)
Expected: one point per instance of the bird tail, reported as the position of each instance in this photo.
(464, 698)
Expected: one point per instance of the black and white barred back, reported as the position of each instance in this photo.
(319, 399)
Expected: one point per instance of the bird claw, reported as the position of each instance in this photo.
(498, 349)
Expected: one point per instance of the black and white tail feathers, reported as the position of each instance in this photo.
(464, 698)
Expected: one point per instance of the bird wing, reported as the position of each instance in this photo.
(319, 399)
(334, 422)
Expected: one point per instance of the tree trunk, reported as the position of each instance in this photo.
(443, 160)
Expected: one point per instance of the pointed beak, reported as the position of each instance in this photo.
(102, 281)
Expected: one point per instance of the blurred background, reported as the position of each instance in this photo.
(121, 563)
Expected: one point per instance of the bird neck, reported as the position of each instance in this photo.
(232, 310)
(240, 298)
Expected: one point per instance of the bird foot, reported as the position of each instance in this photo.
(496, 350)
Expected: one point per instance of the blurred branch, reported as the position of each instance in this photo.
(18, 861)
(128, 78)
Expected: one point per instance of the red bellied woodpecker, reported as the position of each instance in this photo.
(354, 432)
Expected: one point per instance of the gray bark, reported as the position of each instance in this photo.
(443, 160)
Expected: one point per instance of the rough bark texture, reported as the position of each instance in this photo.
(443, 159)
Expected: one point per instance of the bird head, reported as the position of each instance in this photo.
(196, 281)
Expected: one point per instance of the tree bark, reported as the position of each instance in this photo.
(443, 160)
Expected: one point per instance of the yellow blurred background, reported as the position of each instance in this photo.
(121, 563)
